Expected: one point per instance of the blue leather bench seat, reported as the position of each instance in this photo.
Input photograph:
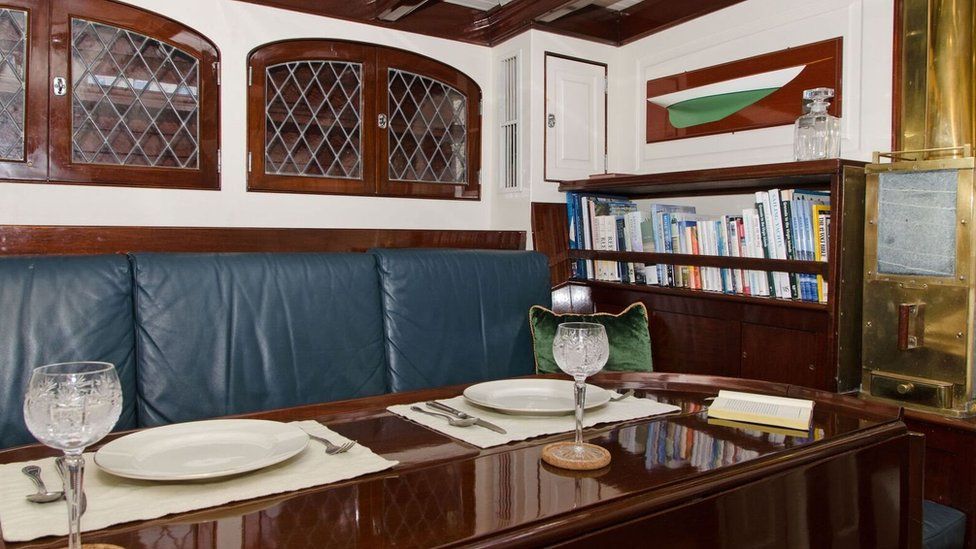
(221, 334)
(61, 309)
(458, 316)
(203, 335)
(942, 527)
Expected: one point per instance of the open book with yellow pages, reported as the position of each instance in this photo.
(792, 413)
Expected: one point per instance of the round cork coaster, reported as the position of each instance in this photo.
(593, 457)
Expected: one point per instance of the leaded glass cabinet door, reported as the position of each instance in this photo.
(134, 99)
(311, 125)
(23, 89)
(431, 142)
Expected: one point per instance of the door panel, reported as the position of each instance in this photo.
(139, 104)
(23, 89)
(694, 344)
(576, 119)
(786, 356)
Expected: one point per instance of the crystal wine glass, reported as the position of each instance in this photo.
(581, 349)
(69, 406)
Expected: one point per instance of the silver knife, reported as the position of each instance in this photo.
(458, 413)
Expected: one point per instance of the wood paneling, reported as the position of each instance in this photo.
(778, 354)
(550, 235)
(950, 463)
(445, 20)
(691, 344)
(822, 62)
(28, 240)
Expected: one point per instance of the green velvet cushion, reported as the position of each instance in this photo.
(630, 342)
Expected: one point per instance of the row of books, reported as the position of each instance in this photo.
(784, 224)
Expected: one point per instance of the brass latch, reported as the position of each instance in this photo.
(911, 326)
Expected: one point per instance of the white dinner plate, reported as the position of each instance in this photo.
(533, 396)
(201, 449)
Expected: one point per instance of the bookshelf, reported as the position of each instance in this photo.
(697, 331)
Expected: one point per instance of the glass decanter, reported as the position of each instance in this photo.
(817, 133)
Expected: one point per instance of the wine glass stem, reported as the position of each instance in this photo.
(75, 463)
(580, 391)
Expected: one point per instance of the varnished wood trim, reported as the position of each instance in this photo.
(704, 294)
(78, 240)
(714, 181)
(751, 263)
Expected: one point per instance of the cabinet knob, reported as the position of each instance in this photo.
(905, 388)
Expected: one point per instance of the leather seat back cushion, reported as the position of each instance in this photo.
(458, 316)
(60, 309)
(231, 333)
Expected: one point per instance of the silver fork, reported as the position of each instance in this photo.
(331, 448)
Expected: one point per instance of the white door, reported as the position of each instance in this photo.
(576, 119)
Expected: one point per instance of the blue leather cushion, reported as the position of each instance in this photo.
(221, 334)
(60, 309)
(943, 527)
(457, 316)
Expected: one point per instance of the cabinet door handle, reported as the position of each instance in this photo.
(60, 85)
(551, 121)
(381, 121)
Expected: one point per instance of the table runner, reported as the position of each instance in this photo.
(525, 427)
(115, 500)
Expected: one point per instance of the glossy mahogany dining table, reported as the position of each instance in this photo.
(679, 480)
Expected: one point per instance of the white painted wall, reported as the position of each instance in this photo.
(236, 28)
(744, 30)
(512, 211)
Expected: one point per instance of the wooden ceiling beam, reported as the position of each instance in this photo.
(512, 18)
(653, 16)
(394, 10)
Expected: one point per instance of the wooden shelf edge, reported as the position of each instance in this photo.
(720, 261)
(705, 294)
(745, 176)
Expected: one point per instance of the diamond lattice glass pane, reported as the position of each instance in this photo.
(13, 64)
(428, 130)
(313, 119)
(135, 101)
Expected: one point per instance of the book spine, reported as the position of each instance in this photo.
(787, 222)
(625, 268)
(740, 234)
(777, 240)
(680, 271)
(765, 241)
(696, 250)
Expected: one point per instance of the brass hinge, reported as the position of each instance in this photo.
(250, 75)
(249, 162)
(216, 68)
(220, 161)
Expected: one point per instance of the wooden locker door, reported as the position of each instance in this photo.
(784, 355)
(576, 119)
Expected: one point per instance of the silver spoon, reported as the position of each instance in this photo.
(43, 495)
(451, 420)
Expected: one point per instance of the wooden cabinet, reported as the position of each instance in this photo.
(100, 92)
(336, 117)
(694, 331)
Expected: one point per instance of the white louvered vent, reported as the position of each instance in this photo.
(509, 86)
